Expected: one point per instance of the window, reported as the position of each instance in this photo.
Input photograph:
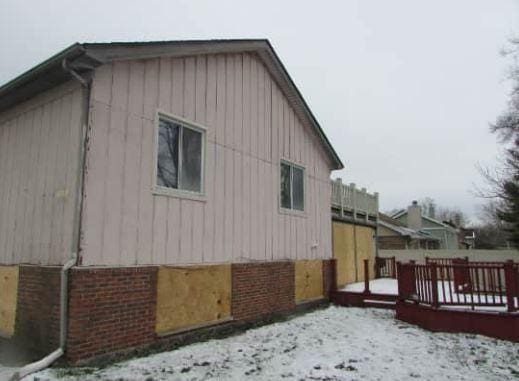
(292, 187)
(179, 156)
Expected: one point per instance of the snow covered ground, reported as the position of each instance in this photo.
(336, 343)
(6, 372)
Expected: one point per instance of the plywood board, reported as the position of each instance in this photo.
(8, 299)
(192, 296)
(308, 280)
(365, 247)
(344, 253)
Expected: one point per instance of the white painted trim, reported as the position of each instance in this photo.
(172, 192)
(179, 193)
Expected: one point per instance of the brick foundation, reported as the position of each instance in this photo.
(38, 309)
(112, 310)
(260, 289)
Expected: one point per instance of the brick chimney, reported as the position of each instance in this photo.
(414, 216)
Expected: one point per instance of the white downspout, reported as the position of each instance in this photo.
(50, 358)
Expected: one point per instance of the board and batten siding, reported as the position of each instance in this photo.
(39, 162)
(250, 127)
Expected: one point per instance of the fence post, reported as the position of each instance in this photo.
(341, 196)
(434, 284)
(399, 280)
(354, 200)
(365, 203)
(378, 261)
(510, 285)
(366, 277)
(393, 267)
(333, 275)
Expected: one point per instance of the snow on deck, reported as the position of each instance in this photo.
(336, 343)
(446, 293)
(377, 286)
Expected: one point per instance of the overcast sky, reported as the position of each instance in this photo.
(404, 89)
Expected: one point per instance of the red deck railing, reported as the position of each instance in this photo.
(482, 284)
(385, 267)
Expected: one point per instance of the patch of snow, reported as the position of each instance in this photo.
(376, 286)
(336, 343)
(6, 372)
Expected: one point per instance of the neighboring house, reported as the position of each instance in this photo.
(414, 219)
(394, 235)
(184, 184)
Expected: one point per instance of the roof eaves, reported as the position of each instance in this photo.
(33, 81)
(45, 75)
(399, 213)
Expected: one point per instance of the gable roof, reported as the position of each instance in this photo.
(407, 232)
(390, 220)
(403, 212)
(86, 57)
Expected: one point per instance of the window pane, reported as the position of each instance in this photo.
(191, 160)
(167, 156)
(298, 188)
(285, 186)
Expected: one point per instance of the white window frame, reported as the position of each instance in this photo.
(291, 210)
(178, 192)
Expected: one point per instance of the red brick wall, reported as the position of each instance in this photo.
(38, 308)
(260, 289)
(110, 310)
(113, 309)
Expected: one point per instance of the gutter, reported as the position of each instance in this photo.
(73, 260)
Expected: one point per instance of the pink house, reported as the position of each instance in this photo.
(175, 186)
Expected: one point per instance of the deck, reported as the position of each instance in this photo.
(458, 296)
(382, 293)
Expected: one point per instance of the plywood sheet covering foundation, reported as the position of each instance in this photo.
(8, 298)
(344, 252)
(309, 280)
(192, 296)
(365, 248)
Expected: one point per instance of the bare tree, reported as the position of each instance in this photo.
(503, 180)
(443, 213)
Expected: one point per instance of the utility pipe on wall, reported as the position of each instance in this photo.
(50, 358)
